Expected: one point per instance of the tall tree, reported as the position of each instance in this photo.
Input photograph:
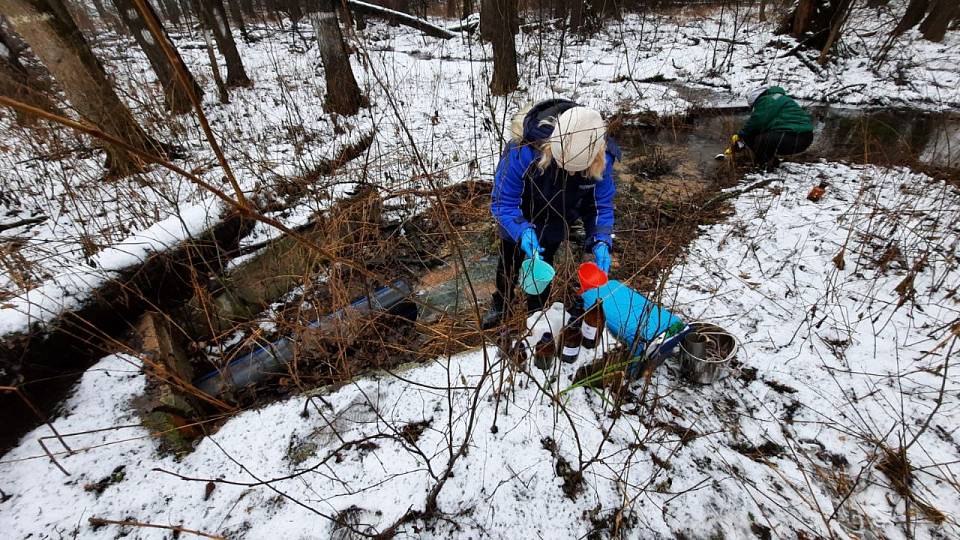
(343, 93)
(912, 16)
(237, 17)
(584, 17)
(175, 95)
(172, 11)
(942, 12)
(247, 7)
(214, 18)
(54, 37)
(17, 81)
(501, 15)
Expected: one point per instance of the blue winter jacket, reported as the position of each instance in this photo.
(550, 200)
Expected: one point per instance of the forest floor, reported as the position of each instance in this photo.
(838, 420)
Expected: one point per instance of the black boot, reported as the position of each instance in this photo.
(495, 314)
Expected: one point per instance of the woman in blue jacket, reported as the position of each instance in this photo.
(557, 168)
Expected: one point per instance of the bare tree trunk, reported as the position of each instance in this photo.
(173, 11)
(505, 78)
(222, 91)
(912, 16)
(467, 9)
(452, 10)
(214, 17)
(247, 8)
(488, 19)
(175, 96)
(802, 16)
(762, 16)
(19, 83)
(237, 17)
(294, 10)
(840, 17)
(561, 8)
(343, 93)
(942, 12)
(55, 39)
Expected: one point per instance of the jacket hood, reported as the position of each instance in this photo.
(526, 125)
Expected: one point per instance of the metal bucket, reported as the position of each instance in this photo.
(705, 353)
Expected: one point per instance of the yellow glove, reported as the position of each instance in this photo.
(734, 139)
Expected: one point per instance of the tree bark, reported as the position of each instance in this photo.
(467, 9)
(237, 17)
(55, 39)
(489, 20)
(18, 82)
(173, 11)
(343, 93)
(175, 95)
(505, 78)
(294, 10)
(942, 12)
(912, 16)
(214, 17)
(247, 8)
(583, 17)
(802, 16)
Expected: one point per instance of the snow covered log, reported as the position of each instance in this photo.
(401, 18)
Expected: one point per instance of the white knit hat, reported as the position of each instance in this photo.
(577, 138)
(754, 94)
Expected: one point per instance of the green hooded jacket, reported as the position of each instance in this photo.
(774, 110)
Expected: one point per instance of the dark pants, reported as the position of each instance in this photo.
(508, 270)
(767, 146)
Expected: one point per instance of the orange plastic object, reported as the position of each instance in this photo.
(816, 193)
(591, 276)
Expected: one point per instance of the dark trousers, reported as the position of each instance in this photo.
(508, 270)
(771, 144)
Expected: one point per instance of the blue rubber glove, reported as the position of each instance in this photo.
(529, 243)
(601, 256)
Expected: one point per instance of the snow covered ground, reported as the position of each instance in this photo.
(838, 364)
(431, 111)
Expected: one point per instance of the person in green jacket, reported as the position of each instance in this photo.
(777, 127)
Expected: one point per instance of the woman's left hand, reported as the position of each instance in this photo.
(601, 256)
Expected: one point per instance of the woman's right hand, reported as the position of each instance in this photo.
(529, 243)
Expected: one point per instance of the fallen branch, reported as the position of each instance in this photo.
(401, 18)
(99, 522)
(723, 39)
(22, 222)
(736, 193)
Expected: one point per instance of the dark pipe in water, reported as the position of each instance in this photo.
(256, 365)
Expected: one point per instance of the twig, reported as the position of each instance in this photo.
(98, 522)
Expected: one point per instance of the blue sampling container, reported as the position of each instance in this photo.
(650, 331)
